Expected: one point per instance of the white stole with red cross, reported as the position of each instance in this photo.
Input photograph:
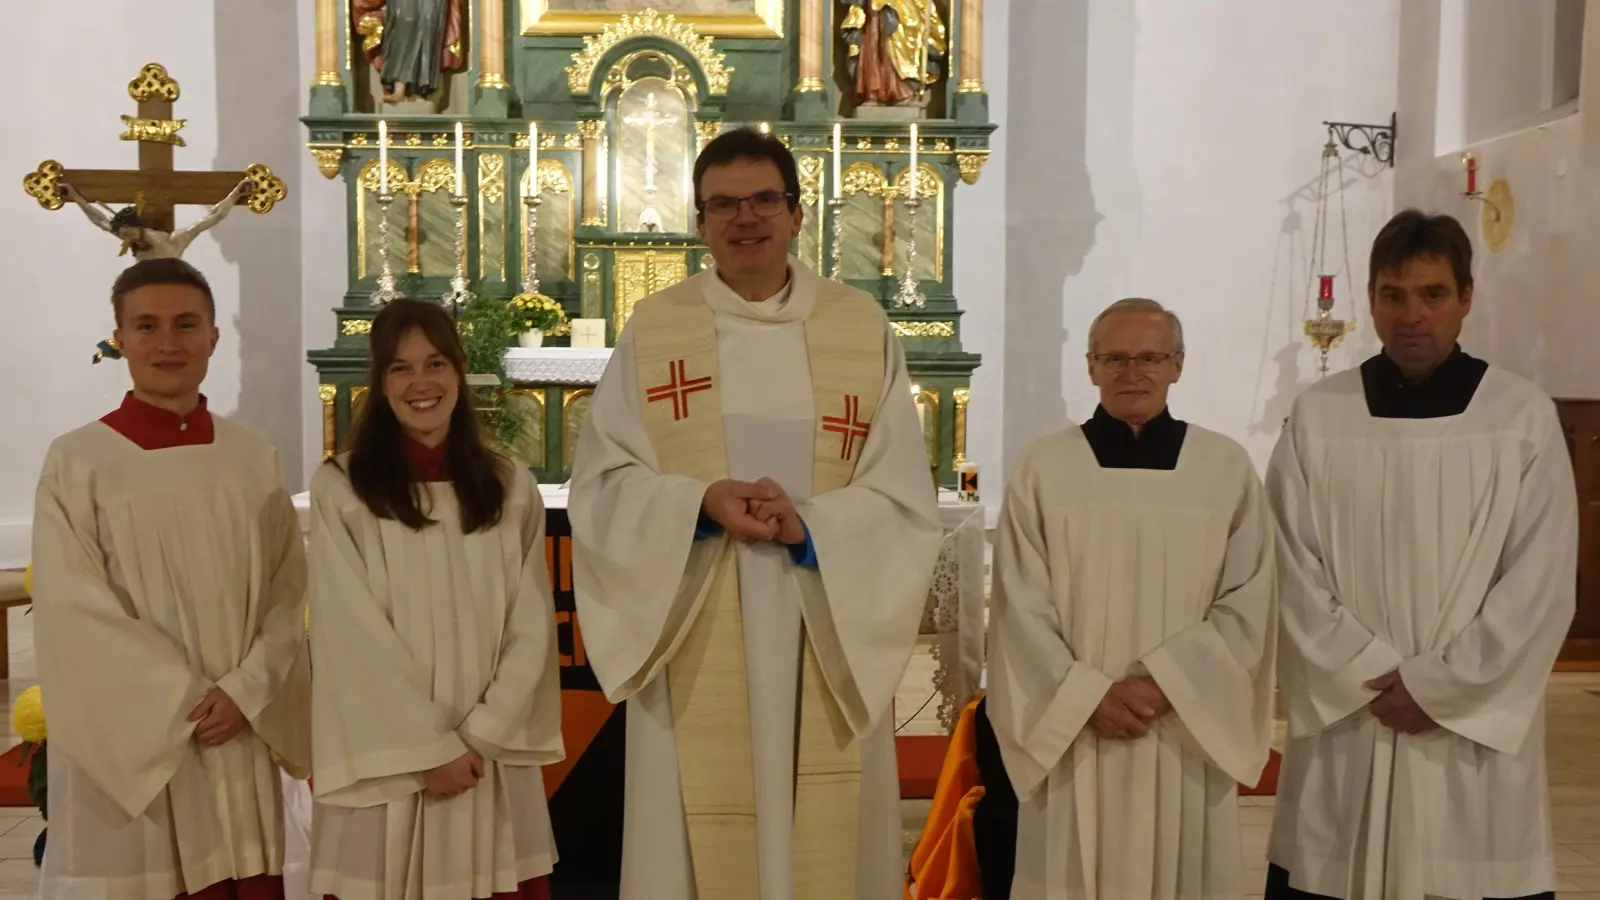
(675, 350)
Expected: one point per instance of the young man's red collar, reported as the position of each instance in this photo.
(153, 428)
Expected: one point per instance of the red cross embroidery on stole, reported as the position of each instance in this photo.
(849, 427)
(677, 389)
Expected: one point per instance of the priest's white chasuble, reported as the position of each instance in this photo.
(760, 754)
(425, 644)
(1105, 573)
(1445, 548)
(159, 575)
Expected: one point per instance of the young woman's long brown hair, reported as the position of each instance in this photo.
(379, 468)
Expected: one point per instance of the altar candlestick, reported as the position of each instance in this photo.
(383, 157)
(533, 155)
(461, 184)
(837, 147)
(914, 141)
(1471, 163)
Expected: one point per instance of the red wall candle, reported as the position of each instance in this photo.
(1472, 174)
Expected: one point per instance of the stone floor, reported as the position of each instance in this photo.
(1574, 731)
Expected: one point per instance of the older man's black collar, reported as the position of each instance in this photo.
(1115, 446)
(1446, 391)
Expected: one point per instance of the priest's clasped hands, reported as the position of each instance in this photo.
(1129, 708)
(217, 719)
(754, 511)
(1395, 707)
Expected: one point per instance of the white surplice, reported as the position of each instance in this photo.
(160, 574)
(426, 643)
(876, 543)
(1445, 548)
(1101, 574)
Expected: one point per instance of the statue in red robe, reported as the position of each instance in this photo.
(411, 43)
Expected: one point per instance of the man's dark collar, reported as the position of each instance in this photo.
(1447, 390)
(1116, 446)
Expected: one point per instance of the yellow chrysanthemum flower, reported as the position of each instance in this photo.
(27, 716)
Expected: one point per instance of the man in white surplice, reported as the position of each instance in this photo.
(754, 533)
(1427, 525)
(1133, 637)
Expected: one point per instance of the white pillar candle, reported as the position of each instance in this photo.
(533, 158)
(838, 148)
(383, 157)
(914, 139)
(461, 171)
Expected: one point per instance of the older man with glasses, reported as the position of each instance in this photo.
(1133, 637)
(754, 535)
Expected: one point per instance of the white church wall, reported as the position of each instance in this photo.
(1534, 312)
(1171, 150)
(980, 266)
(70, 65)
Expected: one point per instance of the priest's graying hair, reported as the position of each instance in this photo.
(1140, 304)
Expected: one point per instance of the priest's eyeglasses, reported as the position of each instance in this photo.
(765, 204)
(1145, 361)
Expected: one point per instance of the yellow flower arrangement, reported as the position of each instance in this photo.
(27, 717)
(537, 312)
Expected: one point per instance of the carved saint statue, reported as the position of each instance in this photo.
(896, 48)
(147, 242)
(411, 43)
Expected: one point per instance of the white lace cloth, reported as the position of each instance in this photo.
(954, 615)
(557, 365)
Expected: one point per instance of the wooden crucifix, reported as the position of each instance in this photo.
(154, 190)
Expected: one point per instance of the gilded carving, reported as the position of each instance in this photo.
(398, 180)
(925, 329)
(810, 179)
(962, 396)
(707, 131)
(330, 429)
(154, 131)
(355, 326)
(650, 23)
(865, 178)
(269, 189)
(971, 165)
(41, 184)
(326, 393)
(328, 160)
(928, 182)
(492, 177)
(553, 176)
(153, 83)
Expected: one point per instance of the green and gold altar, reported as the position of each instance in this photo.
(491, 148)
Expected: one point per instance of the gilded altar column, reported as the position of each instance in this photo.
(327, 83)
(494, 94)
(971, 101)
(810, 92)
(592, 213)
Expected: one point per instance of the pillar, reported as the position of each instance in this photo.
(593, 215)
(494, 93)
(971, 100)
(809, 101)
(327, 83)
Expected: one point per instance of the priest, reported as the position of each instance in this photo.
(1133, 637)
(754, 535)
(1427, 523)
(169, 584)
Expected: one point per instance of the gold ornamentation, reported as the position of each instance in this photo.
(810, 179)
(812, 85)
(154, 131)
(681, 78)
(591, 129)
(269, 190)
(591, 286)
(962, 396)
(356, 326)
(398, 179)
(637, 274)
(959, 439)
(371, 30)
(328, 79)
(492, 177)
(41, 184)
(941, 145)
(970, 86)
(569, 142)
(553, 176)
(415, 140)
(892, 145)
(707, 131)
(357, 395)
(326, 393)
(761, 19)
(328, 160)
(153, 83)
(864, 143)
(971, 165)
(358, 140)
(436, 175)
(865, 178)
(925, 329)
(493, 80)
(929, 184)
(650, 23)
(442, 140)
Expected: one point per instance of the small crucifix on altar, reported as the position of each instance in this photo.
(650, 219)
(154, 190)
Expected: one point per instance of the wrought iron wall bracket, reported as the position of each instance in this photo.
(1376, 141)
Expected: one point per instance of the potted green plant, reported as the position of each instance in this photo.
(488, 327)
(537, 316)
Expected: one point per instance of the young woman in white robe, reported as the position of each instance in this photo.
(435, 698)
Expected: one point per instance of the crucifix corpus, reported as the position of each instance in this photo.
(650, 219)
(153, 191)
